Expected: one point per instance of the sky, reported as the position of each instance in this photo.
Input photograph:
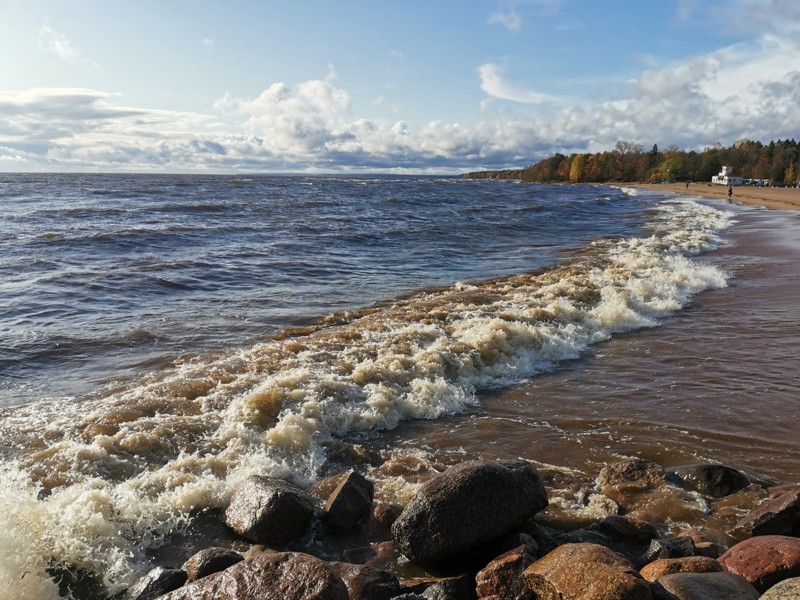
(385, 86)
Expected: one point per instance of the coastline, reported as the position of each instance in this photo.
(773, 198)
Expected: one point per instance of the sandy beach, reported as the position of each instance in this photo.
(775, 198)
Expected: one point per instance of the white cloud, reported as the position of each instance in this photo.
(495, 86)
(57, 43)
(745, 90)
(509, 19)
(207, 43)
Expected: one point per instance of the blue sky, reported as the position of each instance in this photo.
(401, 86)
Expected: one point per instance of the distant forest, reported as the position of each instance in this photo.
(778, 162)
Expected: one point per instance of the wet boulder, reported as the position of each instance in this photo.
(631, 474)
(777, 516)
(705, 586)
(210, 560)
(156, 583)
(501, 579)
(764, 560)
(379, 521)
(268, 577)
(669, 547)
(628, 527)
(585, 572)
(689, 564)
(711, 480)
(271, 511)
(467, 505)
(366, 583)
(460, 587)
(349, 503)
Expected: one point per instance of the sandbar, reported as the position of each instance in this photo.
(775, 198)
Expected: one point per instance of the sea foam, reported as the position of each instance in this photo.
(97, 483)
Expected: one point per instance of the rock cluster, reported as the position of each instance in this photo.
(479, 527)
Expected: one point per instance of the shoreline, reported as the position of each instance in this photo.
(772, 198)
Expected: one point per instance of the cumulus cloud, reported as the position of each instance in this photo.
(745, 90)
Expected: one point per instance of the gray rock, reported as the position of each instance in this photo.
(467, 505)
(157, 582)
(349, 503)
(210, 560)
(271, 511)
(707, 586)
(709, 479)
(670, 547)
(788, 589)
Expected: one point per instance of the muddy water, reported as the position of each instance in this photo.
(717, 382)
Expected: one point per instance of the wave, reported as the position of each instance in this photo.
(97, 483)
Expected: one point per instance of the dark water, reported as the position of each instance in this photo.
(165, 337)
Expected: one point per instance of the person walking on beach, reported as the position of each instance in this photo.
(730, 192)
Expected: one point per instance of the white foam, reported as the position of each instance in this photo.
(127, 469)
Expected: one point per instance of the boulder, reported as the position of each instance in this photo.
(210, 560)
(366, 583)
(777, 516)
(689, 564)
(467, 505)
(156, 583)
(709, 479)
(788, 589)
(501, 579)
(379, 521)
(705, 586)
(349, 503)
(628, 528)
(631, 474)
(669, 547)
(461, 587)
(764, 560)
(585, 572)
(268, 577)
(267, 510)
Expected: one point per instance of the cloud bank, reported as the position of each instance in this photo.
(749, 90)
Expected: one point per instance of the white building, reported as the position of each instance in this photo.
(726, 177)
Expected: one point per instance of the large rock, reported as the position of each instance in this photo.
(282, 576)
(467, 505)
(690, 564)
(709, 479)
(669, 547)
(156, 583)
(460, 587)
(631, 474)
(349, 503)
(706, 586)
(366, 583)
(210, 560)
(777, 516)
(788, 589)
(764, 560)
(501, 579)
(585, 572)
(270, 511)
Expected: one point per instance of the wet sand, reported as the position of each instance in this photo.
(775, 198)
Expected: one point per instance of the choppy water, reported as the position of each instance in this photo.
(164, 337)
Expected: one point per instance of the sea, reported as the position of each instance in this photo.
(163, 337)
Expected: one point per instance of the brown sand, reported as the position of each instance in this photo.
(776, 198)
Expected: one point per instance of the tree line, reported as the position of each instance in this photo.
(778, 162)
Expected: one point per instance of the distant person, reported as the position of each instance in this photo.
(687, 185)
(730, 192)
